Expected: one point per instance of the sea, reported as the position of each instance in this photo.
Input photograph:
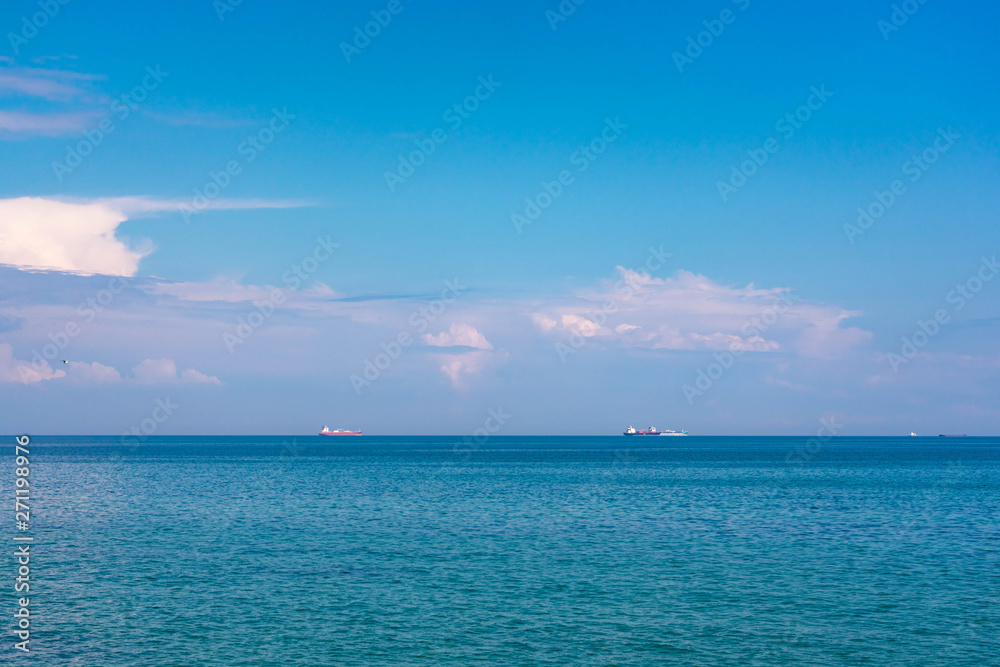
(281, 551)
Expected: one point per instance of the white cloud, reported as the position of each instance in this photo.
(581, 324)
(94, 372)
(164, 371)
(458, 367)
(15, 370)
(691, 312)
(196, 377)
(46, 234)
(461, 366)
(824, 337)
(78, 236)
(544, 322)
(464, 335)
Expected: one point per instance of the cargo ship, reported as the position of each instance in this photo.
(340, 431)
(651, 431)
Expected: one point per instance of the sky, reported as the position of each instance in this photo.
(408, 217)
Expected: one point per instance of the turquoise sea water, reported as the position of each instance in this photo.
(521, 551)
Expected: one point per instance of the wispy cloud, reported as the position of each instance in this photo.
(229, 290)
(16, 124)
(50, 102)
(226, 290)
(41, 60)
(47, 102)
(47, 84)
(200, 119)
(138, 205)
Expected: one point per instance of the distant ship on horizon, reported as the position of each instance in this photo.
(651, 431)
(340, 431)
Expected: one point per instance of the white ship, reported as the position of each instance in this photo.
(651, 431)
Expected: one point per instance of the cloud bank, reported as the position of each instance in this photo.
(164, 371)
(148, 372)
(692, 312)
(15, 370)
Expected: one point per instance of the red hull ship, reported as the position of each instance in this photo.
(326, 431)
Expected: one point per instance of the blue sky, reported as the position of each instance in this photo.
(566, 324)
